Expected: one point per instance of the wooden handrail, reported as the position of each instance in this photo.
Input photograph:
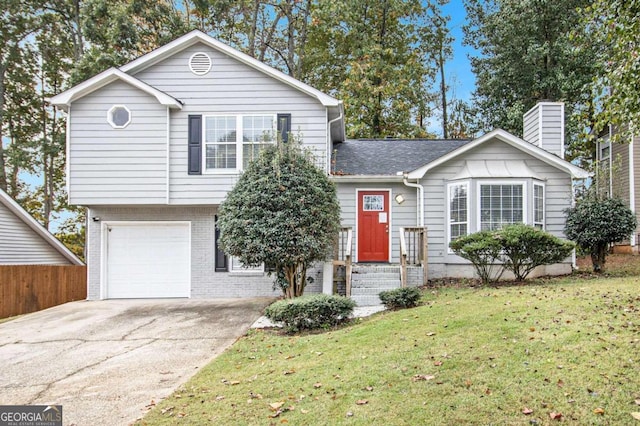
(413, 251)
(347, 260)
(403, 259)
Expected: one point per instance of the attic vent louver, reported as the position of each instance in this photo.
(200, 63)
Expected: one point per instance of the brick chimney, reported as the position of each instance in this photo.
(543, 126)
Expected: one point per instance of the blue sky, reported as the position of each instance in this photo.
(458, 70)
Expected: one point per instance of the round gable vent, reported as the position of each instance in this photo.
(200, 63)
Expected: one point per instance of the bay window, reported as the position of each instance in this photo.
(501, 204)
(458, 210)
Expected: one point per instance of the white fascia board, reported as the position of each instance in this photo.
(504, 136)
(65, 98)
(365, 178)
(22, 214)
(196, 36)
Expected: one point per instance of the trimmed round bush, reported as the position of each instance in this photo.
(310, 312)
(400, 298)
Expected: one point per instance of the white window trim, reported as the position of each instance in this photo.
(448, 209)
(240, 269)
(110, 119)
(525, 199)
(239, 142)
(544, 205)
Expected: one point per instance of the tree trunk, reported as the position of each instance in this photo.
(598, 257)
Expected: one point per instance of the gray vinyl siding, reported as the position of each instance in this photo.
(620, 169)
(543, 127)
(233, 88)
(21, 245)
(118, 166)
(401, 215)
(557, 197)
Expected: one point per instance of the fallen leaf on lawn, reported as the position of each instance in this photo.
(164, 410)
(317, 385)
(532, 329)
(276, 414)
(362, 402)
(599, 411)
(287, 372)
(349, 414)
(527, 410)
(369, 388)
(431, 333)
(303, 411)
(487, 391)
(467, 383)
(275, 405)
(234, 382)
(635, 415)
(418, 377)
(555, 416)
(219, 397)
(560, 383)
(284, 421)
(637, 401)
(437, 363)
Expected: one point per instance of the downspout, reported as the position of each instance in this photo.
(420, 189)
(329, 151)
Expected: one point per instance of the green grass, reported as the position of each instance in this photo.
(467, 356)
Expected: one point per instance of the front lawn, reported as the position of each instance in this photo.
(562, 350)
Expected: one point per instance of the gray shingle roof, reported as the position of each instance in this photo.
(389, 156)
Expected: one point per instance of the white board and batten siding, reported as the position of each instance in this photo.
(557, 185)
(118, 166)
(544, 127)
(233, 88)
(21, 245)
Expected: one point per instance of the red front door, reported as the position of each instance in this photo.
(373, 226)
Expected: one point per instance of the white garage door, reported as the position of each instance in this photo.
(147, 259)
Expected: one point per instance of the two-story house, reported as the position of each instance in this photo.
(154, 146)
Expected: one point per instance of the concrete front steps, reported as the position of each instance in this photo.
(367, 281)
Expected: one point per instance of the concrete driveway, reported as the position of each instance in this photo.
(106, 361)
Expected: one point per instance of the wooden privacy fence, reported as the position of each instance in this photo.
(30, 288)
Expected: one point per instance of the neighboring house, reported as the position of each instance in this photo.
(24, 241)
(154, 147)
(618, 165)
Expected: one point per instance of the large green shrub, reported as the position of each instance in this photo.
(310, 312)
(400, 298)
(283, 212)
(483, 250)
(524, 248)
(595, 223)
(518, 248)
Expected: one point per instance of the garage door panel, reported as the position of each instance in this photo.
(148, 260)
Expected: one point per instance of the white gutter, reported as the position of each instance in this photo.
(420, 189)
(329, 152)
(168, 155)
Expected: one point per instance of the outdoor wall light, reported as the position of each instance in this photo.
(399, 198)
(95, 219)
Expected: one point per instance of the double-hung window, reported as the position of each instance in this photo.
(538, 205)
(458, 210)
(232, 141)
(501, 204)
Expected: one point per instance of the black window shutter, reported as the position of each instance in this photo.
(284, 127)
(195, 145)
(222, 261)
